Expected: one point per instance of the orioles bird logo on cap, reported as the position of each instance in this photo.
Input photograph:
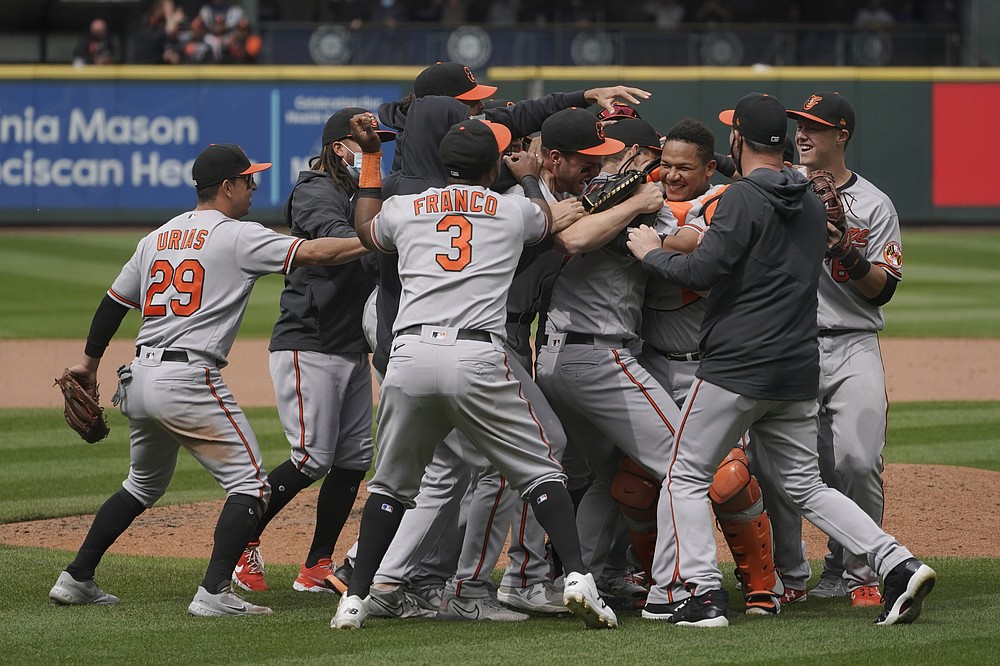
(811, 102)
(468, 73)
(600, 131)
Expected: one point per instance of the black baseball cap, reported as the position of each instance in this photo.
(451, 79)
(222, 161)
(633, 131)
(576, 130)
(759, 117)
(472, 147)
(338, 126)
(826, 108)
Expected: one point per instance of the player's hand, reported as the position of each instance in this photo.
(565, 213)
(648, 197)
(86, 371)
(523, 164)
(834, 235)
(605, 96)
(642, 240)
(363, 126)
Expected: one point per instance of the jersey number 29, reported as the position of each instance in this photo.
(187, 279)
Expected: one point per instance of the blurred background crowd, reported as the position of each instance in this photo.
(251, 31)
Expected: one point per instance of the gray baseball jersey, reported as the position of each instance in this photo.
(444, 258)
(875, 230)
(607, 402)
(191, 279)
(458, 248)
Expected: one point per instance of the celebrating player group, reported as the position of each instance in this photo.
(705, 352)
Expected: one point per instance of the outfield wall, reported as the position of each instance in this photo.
(114, 145)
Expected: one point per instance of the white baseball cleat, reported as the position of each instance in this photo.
(582, 599)
(226, 602)
(396, 603)
(537, 598)
(456, 608)
(351, 613)
(69, 591)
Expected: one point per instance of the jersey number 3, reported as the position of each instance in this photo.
(187, 279)
(462, 241)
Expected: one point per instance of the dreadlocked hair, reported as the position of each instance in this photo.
(329, 162)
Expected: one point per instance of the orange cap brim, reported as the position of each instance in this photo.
(799, 114)
(502, 134)
(477, 93)
(609, 147)
(727, 116)
(254, 168)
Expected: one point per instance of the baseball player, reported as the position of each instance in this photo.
(191, 279)
(759, 367)
(671, 317)
(416, 166)
(608, 404)
(448, 368)
(319, 363)
(852, 395)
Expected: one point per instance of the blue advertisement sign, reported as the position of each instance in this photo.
(129, 145)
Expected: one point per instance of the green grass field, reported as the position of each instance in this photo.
(50, 284)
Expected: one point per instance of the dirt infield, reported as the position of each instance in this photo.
(916, 369)
(924, 503)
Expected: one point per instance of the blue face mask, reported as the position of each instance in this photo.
(354, 169)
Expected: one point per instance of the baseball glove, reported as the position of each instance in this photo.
(616, 189)
(825, 187)
(83, 410)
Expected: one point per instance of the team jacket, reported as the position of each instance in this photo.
(321, 306)
(761, 258)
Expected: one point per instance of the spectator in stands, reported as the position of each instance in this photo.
(454, 12)
(388, 12)
(157, 41)
(95, 48)
(231, 14)
(503, 12)
(873, 15)
(196, 48)
(712, 11)
(217, 33)
(666, 14)
(241, 46)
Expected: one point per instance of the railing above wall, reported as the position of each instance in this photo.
(721, 45)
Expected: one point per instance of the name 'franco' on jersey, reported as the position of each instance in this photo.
(875, 230)
(458, 248)
(191, 279)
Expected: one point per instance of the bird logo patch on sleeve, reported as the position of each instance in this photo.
(893, 255)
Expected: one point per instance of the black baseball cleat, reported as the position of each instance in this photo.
(904, 590)
(340, 579)
(704, 610)
(661, 611)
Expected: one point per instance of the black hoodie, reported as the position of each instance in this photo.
(761, 257)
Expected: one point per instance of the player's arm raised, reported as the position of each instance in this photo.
(370, 182)
(593, 231)
(605, 96)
